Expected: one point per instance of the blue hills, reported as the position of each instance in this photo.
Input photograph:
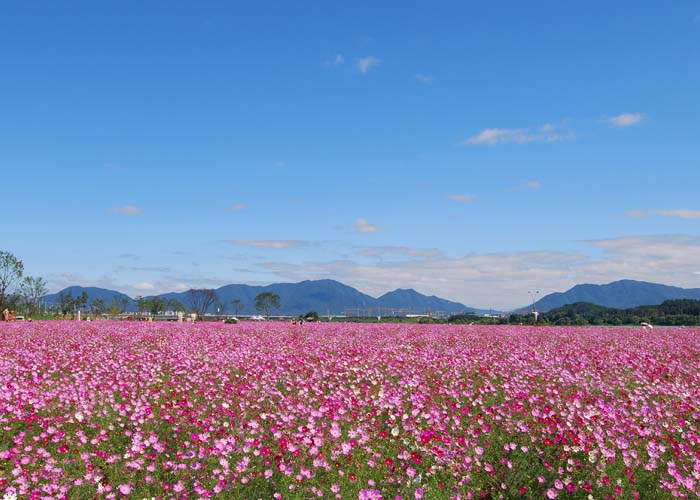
(623, 294)
(332, 297)
(323, 296)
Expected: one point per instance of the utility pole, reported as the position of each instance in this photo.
(533, 296)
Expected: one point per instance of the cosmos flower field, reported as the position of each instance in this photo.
(274, 410)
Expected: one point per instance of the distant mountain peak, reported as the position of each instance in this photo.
(620, 294)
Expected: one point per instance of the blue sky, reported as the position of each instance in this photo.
(474, 151)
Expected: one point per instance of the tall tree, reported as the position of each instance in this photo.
(117, 306)
(81, 301)
(157, 305)
(201, 299)
(142, 304)
(97, 306)
(266, 302)
(220, 308)
(11, 269)
(237, 306)
(66, 303)
(175, 305)
(32, 289)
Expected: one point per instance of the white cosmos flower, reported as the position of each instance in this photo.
(10, 494)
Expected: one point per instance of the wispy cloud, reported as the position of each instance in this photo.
(461, 198)
(336, 60)
(274, 244)
(151, 269)
(57, 283)
(363, 226)
(546, 133)
(144, 286)
(534, 184)
(237, 206)
(127, 210)
(365, 64)
(382, 251)
(130, 256)
(501, 280)
(680, 214)
(426, 79)
(627, 119)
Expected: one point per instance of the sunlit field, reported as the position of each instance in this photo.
(137, 410)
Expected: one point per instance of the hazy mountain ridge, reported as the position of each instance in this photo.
(323, 296)
(622, 294)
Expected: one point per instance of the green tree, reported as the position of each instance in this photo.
(266, 302)
(142, 304)
(81, 301)
(97, 306)
(11, 269)
(66, 303)
(32, 289)
(175, 305)
(157, 305)
(117, 305)
(311, 316)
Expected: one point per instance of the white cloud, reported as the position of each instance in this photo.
(144, 286)
(363, 226)
(627, 119)
(127, 210)
(545, 133)
(462, 198)
(491, 136)
(534, 184)
(274, 244)
(237, 206)
(365, 64)
(498, 280)
(382, 251)
(426, 79)
(336, 60)
(501, 280)
(57, 283)
(680, 214)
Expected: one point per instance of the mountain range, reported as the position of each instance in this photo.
(332, 297)
(623, 294)
(323, 296)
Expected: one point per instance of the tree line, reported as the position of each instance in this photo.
(199, 301)
(24, 294)
(677, 312)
